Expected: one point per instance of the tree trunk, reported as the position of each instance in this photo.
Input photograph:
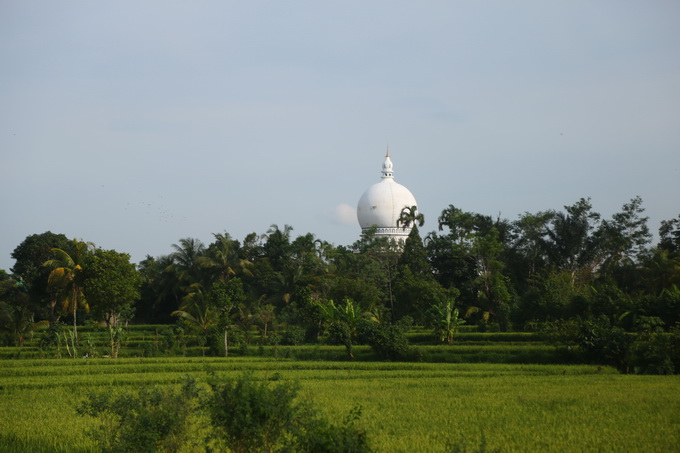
(75, 326)
(53, 304)
(75, 309)
(226, 342)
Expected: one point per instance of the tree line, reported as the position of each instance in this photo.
(495, 273)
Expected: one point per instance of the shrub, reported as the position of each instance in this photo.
(240, 415)
(148, 421)
(388, 340)
(603, 343)
(321, 436)
(596, 339)
(295, 336)
(252, 416)
(339, 333)
(273, 339)
(651, 354)
(655, 352)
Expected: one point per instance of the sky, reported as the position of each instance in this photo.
(136, 124)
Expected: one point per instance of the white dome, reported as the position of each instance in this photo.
(382, 203)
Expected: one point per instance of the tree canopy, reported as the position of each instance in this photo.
(503, 274)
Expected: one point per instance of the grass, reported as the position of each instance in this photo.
(406, 406)
(487, 392)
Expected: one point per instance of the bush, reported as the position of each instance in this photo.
(295, 336)
(596, 339)
(149, 421)
(655, 352)
(604, 343)
(339, 333)
(651, 354)
(252, 416)
(388, 340)
(321, 436)
(256, 417)
(240, 415)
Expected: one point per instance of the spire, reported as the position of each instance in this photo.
(387, 167)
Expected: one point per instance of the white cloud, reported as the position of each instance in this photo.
(345, 214)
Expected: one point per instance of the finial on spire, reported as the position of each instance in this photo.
(387, 154)
(387, 166)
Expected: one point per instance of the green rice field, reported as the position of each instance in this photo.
(407, 407)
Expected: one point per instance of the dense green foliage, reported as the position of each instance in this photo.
(111, 285)
(548, 267)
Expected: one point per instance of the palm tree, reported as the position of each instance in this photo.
(64, 279)
(162, 283)
(186, 260)
(277, 246)
(410, 216)
(197, 312)
(222, 257)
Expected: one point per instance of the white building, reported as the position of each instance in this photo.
(381, 205)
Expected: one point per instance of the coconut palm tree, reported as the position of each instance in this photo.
(64, 279)
(186, 260)
(197, 312)
(222, 258)
(410, 216)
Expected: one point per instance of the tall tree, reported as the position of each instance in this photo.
(477, 243)
(571, 243)
(65, 279)
(669, 235)
(277, 245)
(414, 255)
(187, 261)
(225, 297)
(529, 243)
(111, 285)
(28, 268)
(34, 251)
(222, 258)
(160, 289)
(625, 237)
(381, 256)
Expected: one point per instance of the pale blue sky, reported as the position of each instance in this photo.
(135, 124)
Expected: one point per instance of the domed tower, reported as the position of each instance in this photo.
(382, 203)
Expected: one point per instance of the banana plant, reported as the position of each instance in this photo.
(446, 321)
